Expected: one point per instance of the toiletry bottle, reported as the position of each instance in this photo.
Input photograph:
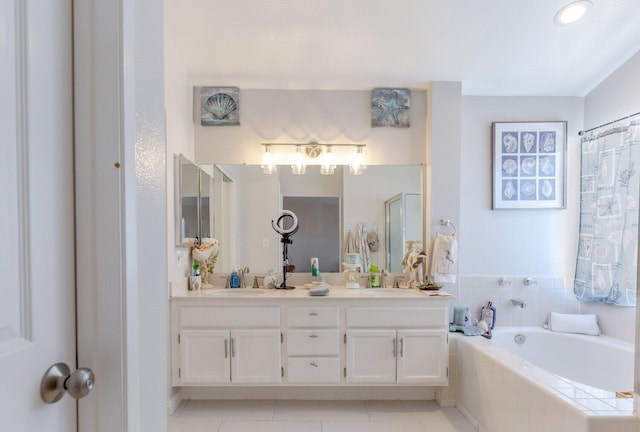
(489, 314)
(234, 279)
(315, 270)
(195, 281)
(374, 275)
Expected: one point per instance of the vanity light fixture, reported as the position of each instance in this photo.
(572, 12)
(328, 156)
(268, 165)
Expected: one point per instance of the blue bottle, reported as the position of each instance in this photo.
(234, 279)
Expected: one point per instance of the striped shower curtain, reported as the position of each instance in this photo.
(606, 268)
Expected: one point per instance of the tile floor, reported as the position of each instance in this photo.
(316, 416)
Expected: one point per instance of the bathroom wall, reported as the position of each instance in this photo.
(179, 127)
(516, 244)
(299, 116)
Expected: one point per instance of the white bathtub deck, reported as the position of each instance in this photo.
(496, 388)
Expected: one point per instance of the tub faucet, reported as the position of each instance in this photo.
(519, 302)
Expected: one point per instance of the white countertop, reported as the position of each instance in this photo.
(303, 292)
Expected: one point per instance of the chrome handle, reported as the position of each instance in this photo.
(58, 379)
(393, 350)
(314, 364)
(313, 335)
(401, 347)
(226, 348)
(233, 347)
(313, 314)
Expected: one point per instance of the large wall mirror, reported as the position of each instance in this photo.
(241, 201)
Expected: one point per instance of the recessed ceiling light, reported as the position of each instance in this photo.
(572, 12)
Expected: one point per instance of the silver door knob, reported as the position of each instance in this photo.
(58, 379)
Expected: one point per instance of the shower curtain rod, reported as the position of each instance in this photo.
(607, 124)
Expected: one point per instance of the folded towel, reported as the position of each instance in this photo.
(319, 291)
(444, 261)
(574, 323)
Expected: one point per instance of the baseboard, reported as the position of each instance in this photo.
(174, 401)
(468, 416)
(310, 393)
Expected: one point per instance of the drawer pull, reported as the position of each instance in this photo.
(313, 313)
(314, 364)
(313, 335)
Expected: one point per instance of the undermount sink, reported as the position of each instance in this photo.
(387, 292)
(233, 292)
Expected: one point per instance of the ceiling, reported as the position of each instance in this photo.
(494, 47)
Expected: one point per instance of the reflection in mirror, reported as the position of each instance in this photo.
(253, 198)
(402, 223)
(186, 199)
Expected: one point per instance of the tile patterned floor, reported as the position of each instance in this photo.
(316, 416)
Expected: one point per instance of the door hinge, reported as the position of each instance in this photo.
(178, 338)
(282, 371)
(281, 337)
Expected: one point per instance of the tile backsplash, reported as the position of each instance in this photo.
(542, 295)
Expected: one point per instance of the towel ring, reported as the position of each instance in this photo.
(448, 223)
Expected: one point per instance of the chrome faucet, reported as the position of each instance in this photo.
(383, 278)
(519, 302)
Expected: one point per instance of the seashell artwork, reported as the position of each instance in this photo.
(219, 106)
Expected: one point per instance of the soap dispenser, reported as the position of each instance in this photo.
(234, 279)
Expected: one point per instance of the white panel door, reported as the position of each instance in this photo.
(37, 274)
(256, 356)
(371, 356)
(422, 356)
(204, 356)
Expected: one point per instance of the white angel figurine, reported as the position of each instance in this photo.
(413, 263)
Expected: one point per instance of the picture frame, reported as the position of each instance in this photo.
(391, 107)
(529, 165)
(219, 106)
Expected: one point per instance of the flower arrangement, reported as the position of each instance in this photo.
(206, 254)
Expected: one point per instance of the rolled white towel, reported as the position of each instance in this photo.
(574, 323)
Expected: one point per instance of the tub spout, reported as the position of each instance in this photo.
(519, 302)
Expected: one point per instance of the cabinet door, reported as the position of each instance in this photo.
(255, 356)
(371, 356)
(422, 356)
(204, 356)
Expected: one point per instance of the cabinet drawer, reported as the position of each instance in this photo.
(236, 317)
(313, 342)
(313, 370)
(399, 318)
(313, 317)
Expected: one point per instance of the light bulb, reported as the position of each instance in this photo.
(298, 167)
(268, 166)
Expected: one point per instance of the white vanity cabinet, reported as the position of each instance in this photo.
(239, 345)
(390, 345)
(287, 338)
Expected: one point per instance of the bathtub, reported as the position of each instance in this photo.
(530, 379)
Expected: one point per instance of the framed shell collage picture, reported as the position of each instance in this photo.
(529, 165)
